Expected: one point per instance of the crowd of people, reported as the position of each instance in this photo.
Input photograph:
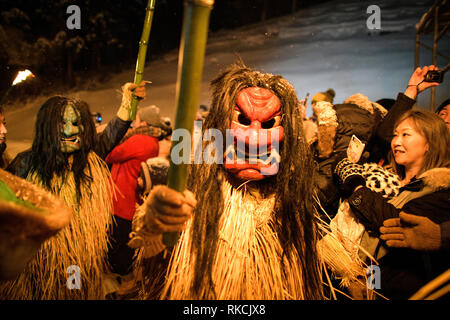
(380, 173)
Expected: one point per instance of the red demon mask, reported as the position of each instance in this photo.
(256, 133)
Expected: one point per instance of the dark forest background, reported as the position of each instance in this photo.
(33, 35)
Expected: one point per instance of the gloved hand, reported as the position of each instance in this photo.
(411, 231)
(128, 90)
(167, 210)
(350, 175)
(164, 210)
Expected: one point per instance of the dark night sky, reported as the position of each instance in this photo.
(35, 33)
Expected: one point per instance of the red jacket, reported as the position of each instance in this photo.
(126, 159)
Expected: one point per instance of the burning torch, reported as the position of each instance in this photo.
(21, 76)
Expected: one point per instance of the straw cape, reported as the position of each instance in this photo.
(82, 243)
(249, 261)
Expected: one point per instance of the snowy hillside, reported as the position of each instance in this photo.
(324, 46)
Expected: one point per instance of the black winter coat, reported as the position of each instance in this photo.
(405, 271)
(370, 129)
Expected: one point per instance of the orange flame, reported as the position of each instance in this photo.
(22, 76)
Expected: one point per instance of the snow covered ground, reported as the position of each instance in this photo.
(324, 46)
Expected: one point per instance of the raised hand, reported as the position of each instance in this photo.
(128, 90)
(417, 84)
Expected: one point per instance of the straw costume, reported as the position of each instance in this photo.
(253, 234)
(66, 159)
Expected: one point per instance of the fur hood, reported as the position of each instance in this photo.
(437, 178)
(327, 124)
(325, 113)
(363, 102)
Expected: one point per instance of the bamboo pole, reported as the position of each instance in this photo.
(190, 69)
(431, 286)
(143, 44)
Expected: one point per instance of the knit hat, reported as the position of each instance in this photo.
(150, 114)
(157, 126)
(324, 96)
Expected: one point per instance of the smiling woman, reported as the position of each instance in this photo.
(420, 143)
(409, 148)
(421, 158)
